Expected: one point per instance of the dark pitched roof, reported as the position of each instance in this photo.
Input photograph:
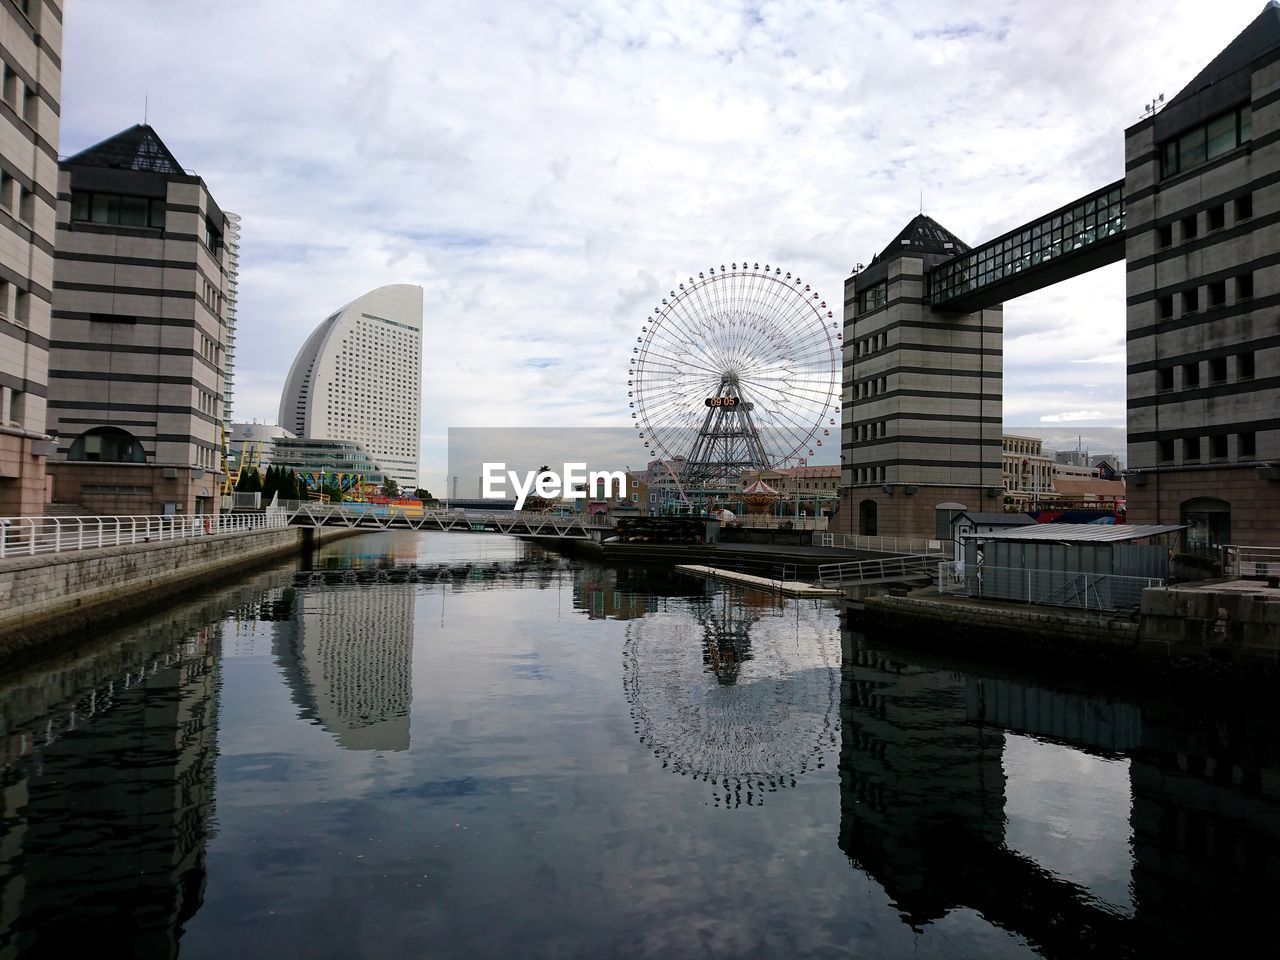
(923, 235)
(1257, 38)
(137, 148)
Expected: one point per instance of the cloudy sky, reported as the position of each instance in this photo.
(546, 171)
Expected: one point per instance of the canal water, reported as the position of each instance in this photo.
(444, 745)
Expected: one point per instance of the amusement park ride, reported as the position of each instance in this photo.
(736, 370)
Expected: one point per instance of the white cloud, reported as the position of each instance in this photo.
(545, 170)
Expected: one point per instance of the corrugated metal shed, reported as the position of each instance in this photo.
(1083, 532)
(995, 519)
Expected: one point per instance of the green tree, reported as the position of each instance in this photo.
(422, 493)
(333, 490)
(390, 488)
(270, 484)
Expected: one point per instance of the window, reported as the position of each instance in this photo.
(1244, 286)
(875, 296)
(22, 308)
(1164, 451)
(1218, 370)
(26, 206)
(1189, 230)
(7, 188)
(1166, 307)
(1244, 366)
(1244, 207)
(110, 208)
(1190, 375)
(1246, 445)
(1218, 447)
(1216, 217)
(1165, 380)
(29, 106)
(1206, 141)
(10, 86)
(1165, 235)
(1217, 293)
(1190, 301)
(1191, 448)
(4, 299)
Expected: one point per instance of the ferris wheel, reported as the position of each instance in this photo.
(737, 369)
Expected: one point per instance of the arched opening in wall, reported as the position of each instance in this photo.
(867, 522)
(1208, 521)
(943, 515)
(107, 445)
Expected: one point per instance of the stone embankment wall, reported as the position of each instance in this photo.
(1222, 626)
(57, 594)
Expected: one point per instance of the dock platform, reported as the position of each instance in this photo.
(789, 588)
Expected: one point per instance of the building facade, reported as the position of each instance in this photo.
(231, 240)
(30, 48)
(345, 464)
(1027, 470)
(254, 443)
(1202, 194)
(137, 355)
(358, 377)
(921, 412)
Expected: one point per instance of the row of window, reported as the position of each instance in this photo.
(868, 475)
(872, 388)
(872, 431)
(1244, 364)
(1217, 447)
(876, 295)
(1215, 295)
(873, 344)
(117, 209)
(17, 200)
(28, 108)
(1206, 141)
(1215, 218)
(15, 304)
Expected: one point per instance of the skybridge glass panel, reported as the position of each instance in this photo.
(1093, 219)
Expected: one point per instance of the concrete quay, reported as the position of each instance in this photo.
(1228, 628)
(51, 597)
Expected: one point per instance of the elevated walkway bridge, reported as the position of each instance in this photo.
(1081, 236)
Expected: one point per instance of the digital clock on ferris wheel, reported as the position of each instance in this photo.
(723, 401)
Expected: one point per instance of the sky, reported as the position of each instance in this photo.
(548, 171)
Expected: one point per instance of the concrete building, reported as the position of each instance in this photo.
(258, 439)
(137, 353)
(1202, 198)
(30, 48)
(805, 482)
(359, 377)
(1027, 470)
(922, 396)
(343, 463)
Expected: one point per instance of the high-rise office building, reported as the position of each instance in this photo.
(30, 48)
(359, 377)
(1203, 282)
(137, 355)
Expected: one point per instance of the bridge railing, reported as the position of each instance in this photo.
(898, 546)
(877, 570)
(1251, 561)
(29, 536)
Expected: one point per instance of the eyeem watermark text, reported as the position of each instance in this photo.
(575, 483)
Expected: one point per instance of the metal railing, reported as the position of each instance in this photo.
(1054, 588)
(1251, 561)
(29, 536)
(755, 521)
(877, 570)
(895, 545)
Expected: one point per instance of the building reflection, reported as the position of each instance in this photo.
(733, 689)
(347, 656)
(108, 785)
(1082, 824)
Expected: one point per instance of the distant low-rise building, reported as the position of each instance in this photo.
(1027, 470)
(342, 463)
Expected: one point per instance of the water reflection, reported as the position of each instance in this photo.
(108, 797)
(1081, 823)
(748, 706)
(347, 656)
